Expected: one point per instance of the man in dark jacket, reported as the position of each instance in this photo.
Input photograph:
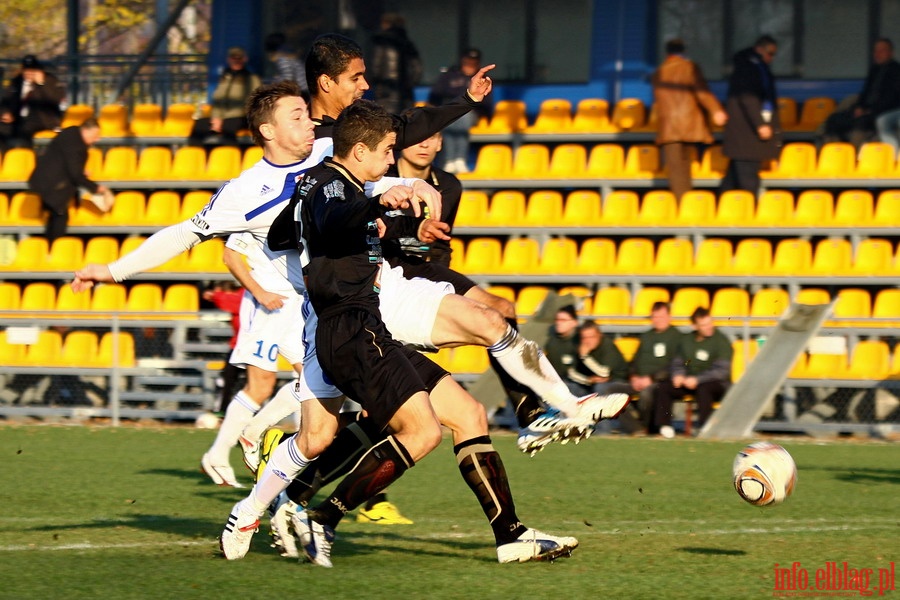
(31, 103)
(59, 173)
(752, 134)
(395, 67)
(880, 93)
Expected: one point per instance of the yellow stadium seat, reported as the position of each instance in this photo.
(163, 208)
(25, 209)
(743, 353)
(31, 255)
(86, 214)
(128, 209)
(109, 298)
(113, 120)
(583, 296)
(529, 299)
(767, 305)
(66, 254)
(521, 256)
(146, 119)
(620, 207)
(629, 113)
(39, 295)
(895, 361)
(206, 257)
(787, 112)
(799, 368)
(18, 163)
(94, 163)
(559, 256)
(592, 116)
(714, 164)
(68, 301)
(736, 208)
(544, 209)
(10, 354)
(119, 164)
(815, 208)
(494, 161)
(792, 256)
(852, 303)
(115, 350)
(192, 203)
(675, 256)
(645, 298)
(473, 209)
(642, 161)
(696, 208)
(887, 306)
(181, 297)
(582, 209)
(457, 253)
(442, 358)
(606, 161)
(4, 207)
(76, 114)
(873, 257)
(611, 303)
(568, 161)
(10, 296)
(833, 256)
(144, 298)
(812, 296)
(876, 159)
(130, 244)
(652, 122)
(509, 117)
(836, 159)
(507, 209)
(8, 249)
(887, 209)
(658, 207)
(179, 120)
(686, 300)
(627, 346)
(47, 351)
(824, 366)
(597, 255)
(870, 359)
(469, 359)
(188, 163)
(813, 113)
(224, 163)
(503, 291)
(774, 208)
(79, 348)
(797, 159)
(531, 161)
(714, 257)
(252, 155)
(554, 116)
(730, 303)
(752, 256)
(483, 255)
(154, 163)
(635, 256)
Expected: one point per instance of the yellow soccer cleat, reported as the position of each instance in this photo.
(271, 439)
(383, 513)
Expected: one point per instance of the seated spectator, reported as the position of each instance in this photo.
(701, 366)
(396, 68)
(599, 366)
(227, 116)
(880, 93)
(561, 347)
(31, 103)
(287, 64)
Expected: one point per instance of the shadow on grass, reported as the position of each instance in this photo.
(711, 551)
(859, 475)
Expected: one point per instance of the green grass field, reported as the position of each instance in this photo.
(125, 513)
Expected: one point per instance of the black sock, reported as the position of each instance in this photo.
(371, 502)
(382, 465)
(526, 403)
(483, 470)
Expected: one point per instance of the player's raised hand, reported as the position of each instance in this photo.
(86, 278)
(424, 192)
(480, 85)
(400, 196)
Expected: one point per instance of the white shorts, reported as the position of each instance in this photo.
(409, 307)
(316, 384)
(265, 334)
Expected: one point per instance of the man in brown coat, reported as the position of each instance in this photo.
(684, 106)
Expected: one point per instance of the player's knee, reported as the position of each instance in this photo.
(486, 325)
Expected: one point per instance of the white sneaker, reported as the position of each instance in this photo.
(461, 166)
(220, 474)
(536, 545)
(280, 523)
(250, 449)
(593, 407)
(549, 427)
(239, 530)
(667, 431)
(315, 539)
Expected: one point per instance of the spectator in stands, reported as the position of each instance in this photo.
(395, 68)
(288, 65)
(59, 173)
(599, 365)
(227, 296)
(451, 84)
(561, 347)
(752, 134)
(31, 103)
(228, 115)
(701, 367)
(880, 93)
(684, 106)
(417, 161)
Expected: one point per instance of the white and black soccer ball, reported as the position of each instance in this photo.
(207, 421)
(764, 474)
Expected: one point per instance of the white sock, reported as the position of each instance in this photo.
(285, 463)
(525, 363)
(283, 404)
(239, 412)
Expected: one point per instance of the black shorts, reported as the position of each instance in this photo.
(358, 354)
(437, 272)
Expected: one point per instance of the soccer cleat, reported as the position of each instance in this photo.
(315, 539)
(238, 532)
(280, 514)
(220, 474)
(550, 426)
(536, 545)
(250, 449)
(383, 513)
(270, 440)
(593, 407)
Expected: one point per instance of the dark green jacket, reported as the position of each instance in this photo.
(708, 359)
(654, 354)
(604, 361)
(561, 352)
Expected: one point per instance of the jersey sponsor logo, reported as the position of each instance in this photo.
(265, 190)
(334, 191)
(702, 355)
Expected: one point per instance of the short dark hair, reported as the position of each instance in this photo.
(363, 121)
(699, 313)
(659, 305)
(90, 123)
(886, 41)
(675, 46)
(261, 104)
(590, 326)
(330, 54)
(765, 40)
(569, 309)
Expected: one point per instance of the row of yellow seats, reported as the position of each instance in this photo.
(697, 208)
(81, 349)
(868, 360)
(593, 115)
(143, 298)
(836, 160)
(147, 119)
(131, 208)
(675, 256)
(69, 253)
(155, 163)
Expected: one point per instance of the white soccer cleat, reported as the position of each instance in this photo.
(250, 449)
(315, 539)
(280, 522)
(238, 532)
(593, 407)
(220, 474)
(549, 427)
(536, 545)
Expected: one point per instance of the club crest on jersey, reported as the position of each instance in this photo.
(334, 191)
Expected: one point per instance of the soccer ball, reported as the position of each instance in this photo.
(764, 474)
(207, 421)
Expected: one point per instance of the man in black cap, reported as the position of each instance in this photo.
(31, 103)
